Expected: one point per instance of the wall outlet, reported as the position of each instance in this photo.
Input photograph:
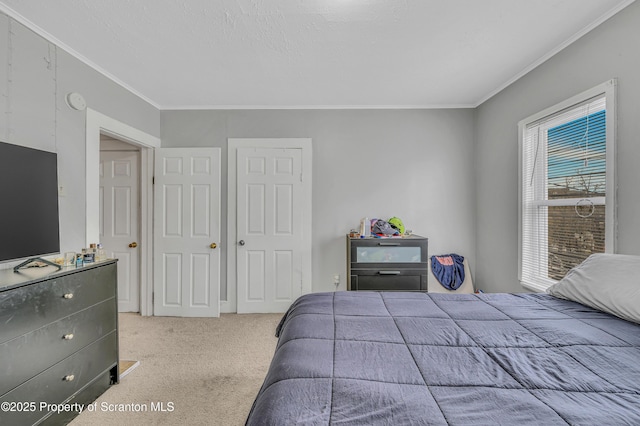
(336, 280)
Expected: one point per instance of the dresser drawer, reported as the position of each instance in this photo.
(30, 307)
(51, 387)
(366, 252)
(86, 396)
(24, 356)
(389, 280)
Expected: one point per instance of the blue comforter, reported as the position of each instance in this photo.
(367, 358)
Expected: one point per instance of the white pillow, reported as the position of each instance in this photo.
(608, 282)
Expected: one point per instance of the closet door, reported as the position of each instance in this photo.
(187, 232)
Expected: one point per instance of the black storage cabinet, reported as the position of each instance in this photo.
(387, 264)
(58, 340)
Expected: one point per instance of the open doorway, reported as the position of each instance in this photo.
(120, 219)
(98, 125)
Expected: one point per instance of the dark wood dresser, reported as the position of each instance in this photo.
(387, 264)
(58, 341)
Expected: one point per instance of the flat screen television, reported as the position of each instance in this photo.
(29, 223)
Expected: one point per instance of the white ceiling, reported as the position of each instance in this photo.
(180, 54)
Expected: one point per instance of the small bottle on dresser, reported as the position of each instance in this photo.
(101, 253)
(88, 255)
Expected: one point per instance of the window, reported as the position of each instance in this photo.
(567, 188)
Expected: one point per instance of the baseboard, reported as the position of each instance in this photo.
(226, 308)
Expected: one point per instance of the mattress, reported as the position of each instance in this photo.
(395, 358)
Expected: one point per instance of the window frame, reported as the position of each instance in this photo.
(608, 90)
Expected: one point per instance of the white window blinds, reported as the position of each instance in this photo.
(563, 190)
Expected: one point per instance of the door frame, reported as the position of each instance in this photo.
(230, 305)
(96, 124)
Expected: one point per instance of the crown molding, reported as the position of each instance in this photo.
(555, 51)
(59, 44)
(312, 107)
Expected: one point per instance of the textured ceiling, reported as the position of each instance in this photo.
(314, 53)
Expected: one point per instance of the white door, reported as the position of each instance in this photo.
(270, 215)
(119, 214)
(187, 232)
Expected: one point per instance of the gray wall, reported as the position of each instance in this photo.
(414, 164)
(612, 50)
(35, 77)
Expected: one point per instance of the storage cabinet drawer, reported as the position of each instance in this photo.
(62, 380)
(389, 280)
(23, 356)
(377, 252)
(31, 307)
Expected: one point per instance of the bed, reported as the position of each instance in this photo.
(396, 358)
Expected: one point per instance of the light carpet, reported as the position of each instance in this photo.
(192, 371)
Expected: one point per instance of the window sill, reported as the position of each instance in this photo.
(536, 287)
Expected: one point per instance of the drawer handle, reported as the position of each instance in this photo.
(68, 336)
(69, 378)
(389, 244)
(389, 272)
(68, 296)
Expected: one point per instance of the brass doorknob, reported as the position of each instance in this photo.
(213, 245)
(133, 245)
